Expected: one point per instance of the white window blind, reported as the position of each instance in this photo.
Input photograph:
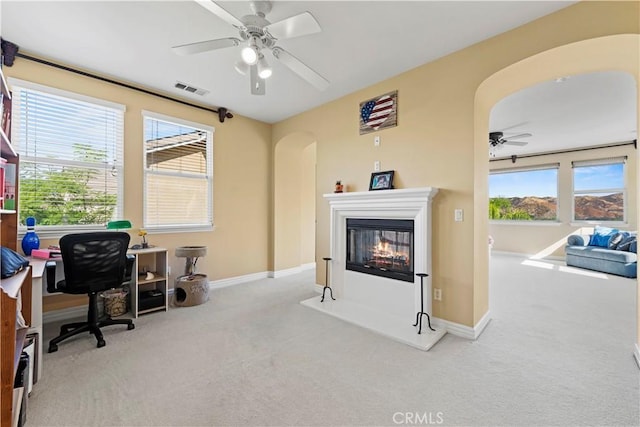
(71, 157)
(178, 165)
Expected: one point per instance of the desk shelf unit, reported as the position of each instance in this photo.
(153, 260)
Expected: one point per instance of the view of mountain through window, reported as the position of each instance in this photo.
(599, 191)
(524, 195)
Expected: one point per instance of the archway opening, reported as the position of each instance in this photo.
(619, 53)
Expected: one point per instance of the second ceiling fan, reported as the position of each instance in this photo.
(497, 140)
(258, 35)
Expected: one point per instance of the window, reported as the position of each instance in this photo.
(71, 163)
(599, 192)
(521, 194)
(178, 174)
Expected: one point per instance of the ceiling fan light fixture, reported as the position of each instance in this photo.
(249, 55)
(251, 52)
(241, 67)
(264, 70)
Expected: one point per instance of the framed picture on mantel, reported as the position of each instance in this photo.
(381, 180)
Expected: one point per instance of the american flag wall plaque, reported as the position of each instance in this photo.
(379, 113)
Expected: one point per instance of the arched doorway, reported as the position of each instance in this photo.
(618, 52)
(294, 203)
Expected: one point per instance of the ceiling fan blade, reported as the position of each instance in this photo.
(257, 84)
(518, 143)
(221, 13)
(295, 26)
(191, 48)
(522, 135)
(298, 67)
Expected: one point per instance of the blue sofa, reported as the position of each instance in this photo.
(580, 253)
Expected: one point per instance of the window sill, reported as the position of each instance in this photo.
(600, 223)
(57, 232)
(179, 229)
(526, 223)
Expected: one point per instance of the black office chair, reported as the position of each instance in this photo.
(93, 262)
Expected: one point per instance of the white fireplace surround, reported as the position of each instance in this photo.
(385, 305)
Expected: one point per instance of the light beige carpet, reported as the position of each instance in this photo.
(557, 352)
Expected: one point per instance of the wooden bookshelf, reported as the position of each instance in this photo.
(12, 335)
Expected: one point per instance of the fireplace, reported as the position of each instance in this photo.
(389, 232)
(381, 247)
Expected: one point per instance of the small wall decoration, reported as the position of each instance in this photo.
(381, 181)
(379, 113)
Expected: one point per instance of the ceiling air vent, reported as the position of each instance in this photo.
(190, 89)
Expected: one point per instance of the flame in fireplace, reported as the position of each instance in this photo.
(384, 256)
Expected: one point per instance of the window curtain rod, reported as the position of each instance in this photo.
(514, 157)
(221, 111)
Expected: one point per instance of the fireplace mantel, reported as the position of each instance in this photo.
(383, 195)
(384, 305)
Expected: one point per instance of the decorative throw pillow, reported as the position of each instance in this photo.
(615, 240)
(625, 245)
(634, 247)
(601, 236)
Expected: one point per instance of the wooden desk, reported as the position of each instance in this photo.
(37, 269)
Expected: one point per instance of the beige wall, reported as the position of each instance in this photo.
(440, 141)
(549, 239)
(242, 164)
(294, 214)
(308, 206)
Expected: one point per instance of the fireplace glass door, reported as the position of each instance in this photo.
(382, 247)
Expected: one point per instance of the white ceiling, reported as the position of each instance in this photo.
(361, 43)
(572, 111)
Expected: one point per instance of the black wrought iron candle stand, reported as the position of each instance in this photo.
(326, 280)
(422, 312)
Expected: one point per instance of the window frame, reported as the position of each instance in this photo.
(537, 222)
(187, 228)
(600, 162)
(57, 231)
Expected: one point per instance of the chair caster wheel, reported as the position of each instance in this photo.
(101, 343)
(53, 348)
(131, 326)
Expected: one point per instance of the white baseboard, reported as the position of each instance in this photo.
(223, 283)
(463, 331)
(318, 288)
(636, 353)
(290, 271)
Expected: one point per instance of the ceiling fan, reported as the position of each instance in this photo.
(497, 140)
(257, 35)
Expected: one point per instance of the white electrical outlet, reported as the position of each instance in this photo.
(376, 166)
(437, 294)
(376, 141)
(458, 215)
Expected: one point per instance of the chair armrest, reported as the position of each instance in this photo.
(577, 240)
(50, 269)
(128, 272)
